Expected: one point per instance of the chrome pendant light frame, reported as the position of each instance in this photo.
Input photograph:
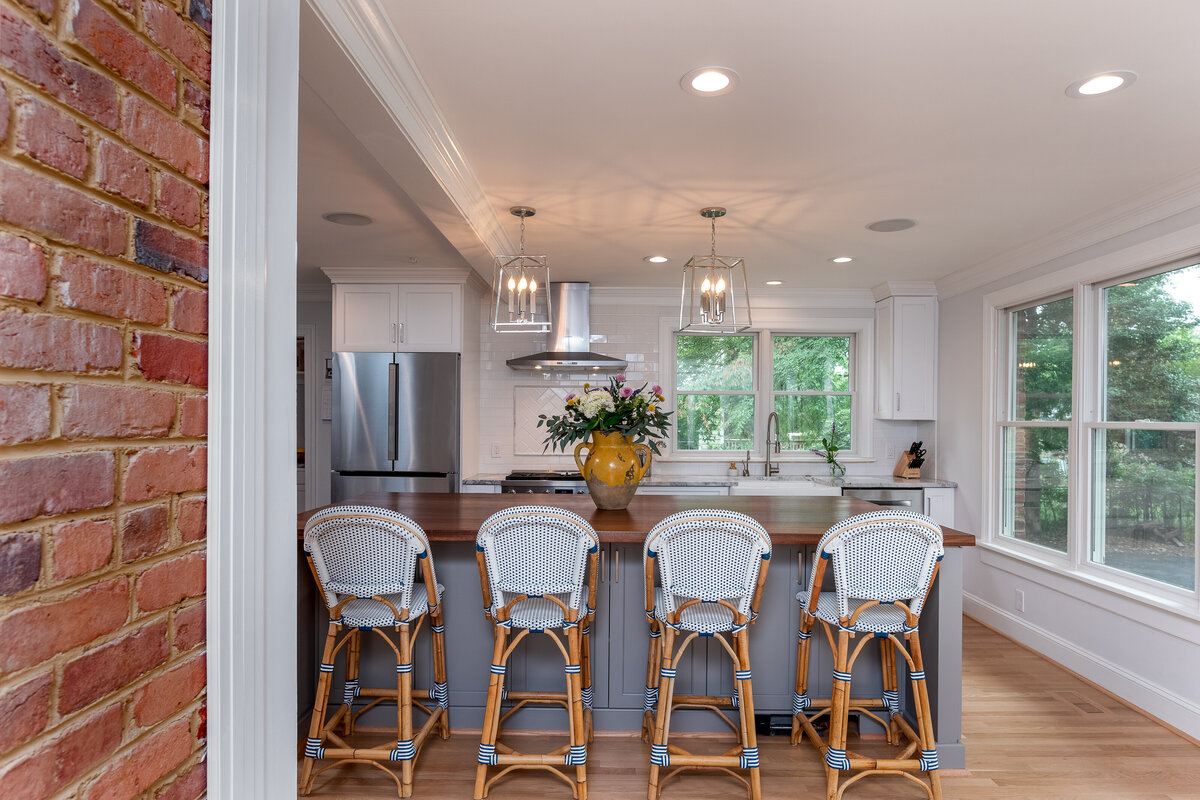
(521, 288)
(715, 297)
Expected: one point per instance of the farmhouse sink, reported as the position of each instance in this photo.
(790, 487)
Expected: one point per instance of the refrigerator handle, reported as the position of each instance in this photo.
(393, 375)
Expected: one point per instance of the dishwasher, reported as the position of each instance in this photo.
(908, 499)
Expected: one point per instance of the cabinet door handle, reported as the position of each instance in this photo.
(616, 566)
(393, 333)
(800, 567)
(602, 566)
(897, 401)
(400, 327)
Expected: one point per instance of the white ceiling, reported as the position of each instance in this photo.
(949, 112)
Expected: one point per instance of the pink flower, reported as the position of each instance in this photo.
(571, 396)
(656, 389)
(620, 376)
(626, 391)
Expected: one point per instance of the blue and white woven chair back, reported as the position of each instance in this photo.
(708, 554)
(365, 551)
(883, 556)
(536, 550)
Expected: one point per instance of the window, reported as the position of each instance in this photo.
(724, 383)
(1097, 431)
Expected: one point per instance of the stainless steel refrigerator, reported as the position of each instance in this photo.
(395, 423)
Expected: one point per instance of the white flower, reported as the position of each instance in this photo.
(592, 403)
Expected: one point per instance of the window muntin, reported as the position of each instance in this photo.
(812, 381)
(714, 393)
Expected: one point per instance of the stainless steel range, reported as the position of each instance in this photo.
(546, 482)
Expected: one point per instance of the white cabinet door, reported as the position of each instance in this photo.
(480, 488)
(939, 505)
(906, 357)
(704, 490)
(366, 317)
(431, 318)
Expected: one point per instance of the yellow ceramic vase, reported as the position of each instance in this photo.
(612, 469)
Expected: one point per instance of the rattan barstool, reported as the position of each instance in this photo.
(884, 564)
(712, 564)
(365, 561)
(537, 569)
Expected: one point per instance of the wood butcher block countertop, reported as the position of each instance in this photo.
(788, 520)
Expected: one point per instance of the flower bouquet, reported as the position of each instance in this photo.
(626, 425)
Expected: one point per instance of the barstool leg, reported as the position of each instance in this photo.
(439, 668)
(662, 717)
(316, 726)
(404, 707)
(887, 665)
(839, 712)
(352, 658)
(653, 655)
(491, 713)
(585, 640)
(745, 690)
(802, 653)
(924, 716)
(578, 734)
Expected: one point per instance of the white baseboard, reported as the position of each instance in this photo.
(1157, 701)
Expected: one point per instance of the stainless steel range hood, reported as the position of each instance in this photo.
(570, 333)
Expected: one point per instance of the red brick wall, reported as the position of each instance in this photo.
(104, 108)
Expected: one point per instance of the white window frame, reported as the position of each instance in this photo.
(1086, 404)
(861, 331)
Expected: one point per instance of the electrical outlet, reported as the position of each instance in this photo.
(891, 451)
(495, 450)
(1019, 601)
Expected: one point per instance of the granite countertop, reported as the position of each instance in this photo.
(852, 481)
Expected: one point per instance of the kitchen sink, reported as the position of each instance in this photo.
(789, 487)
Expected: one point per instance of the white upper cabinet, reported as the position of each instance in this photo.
(397, 318)
(905, 354)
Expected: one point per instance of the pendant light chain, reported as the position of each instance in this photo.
(523, 235)
(713, 252)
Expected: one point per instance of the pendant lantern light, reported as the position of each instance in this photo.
(715, 297)
(521, 288)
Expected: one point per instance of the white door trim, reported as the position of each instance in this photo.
(251, 423)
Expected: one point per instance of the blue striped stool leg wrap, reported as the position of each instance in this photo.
(651, 698)
(441, 693)
(438, 628)
(913, 629)
(350, 693)
(667, 672)
(405, 751)
(733, 699)
(312, 748)
(655, 634)
(573, 669)
(659, 756)
(892, 701)
(576, 756)
(742, 675)
(586, 695)
(503, 694)
(404, 668)
(836, 759)
(487, 754)
(841, 676)
(929, 760)
(749, 758)
(917, 676)
(799, 703)
(498, 669)
(802, 635)
(326, 667)
(585, 630)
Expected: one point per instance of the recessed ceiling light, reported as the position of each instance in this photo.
(656, 259)
(347, 218)
(842, 260)
(710, 81)
(1102, 84)
(891, 225)
(774, 283)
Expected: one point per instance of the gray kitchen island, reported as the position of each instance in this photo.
(620, 633)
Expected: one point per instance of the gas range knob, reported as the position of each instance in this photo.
(529, 491)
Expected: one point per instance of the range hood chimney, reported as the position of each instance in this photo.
(570, 333)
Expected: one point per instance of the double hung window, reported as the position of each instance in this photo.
(1097, 431)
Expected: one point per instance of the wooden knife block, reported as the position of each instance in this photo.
(903, 470)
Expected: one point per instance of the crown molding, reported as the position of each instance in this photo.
(364, 32)
(762, 299)
(1162, 202)
(464, 276)
(904, 289)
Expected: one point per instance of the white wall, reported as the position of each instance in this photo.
(1143, 653)
(629, 318)
(319, 314)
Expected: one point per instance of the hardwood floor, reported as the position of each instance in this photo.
(1033, 731)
